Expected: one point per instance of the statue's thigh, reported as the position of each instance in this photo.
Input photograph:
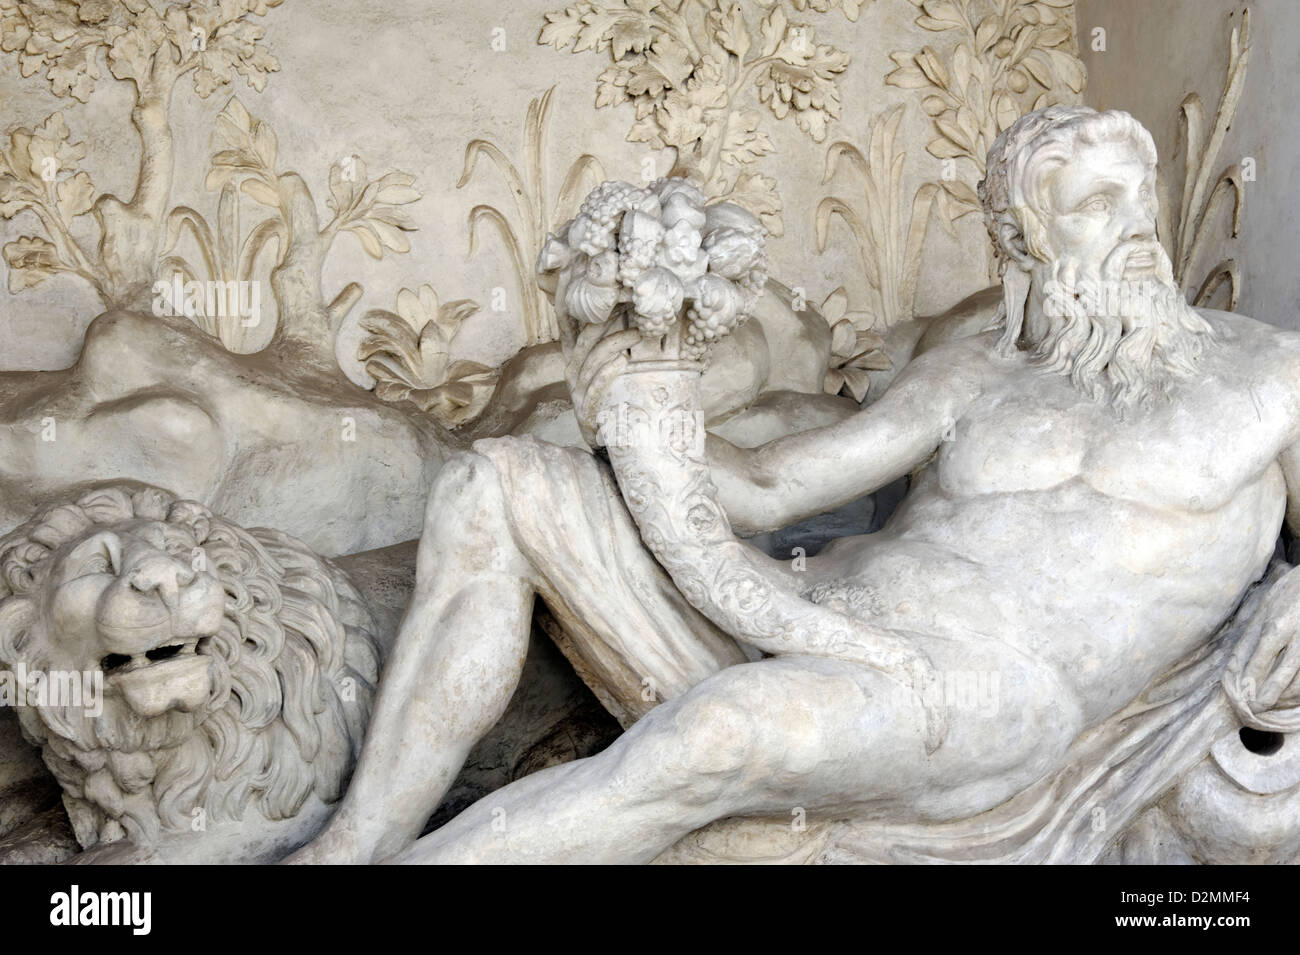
(814, 732)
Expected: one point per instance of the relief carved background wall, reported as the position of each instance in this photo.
(446, 139)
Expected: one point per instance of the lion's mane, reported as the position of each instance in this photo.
(293, 672)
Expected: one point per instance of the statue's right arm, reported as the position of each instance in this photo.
(811, 472)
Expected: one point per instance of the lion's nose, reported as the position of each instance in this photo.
(160, 574)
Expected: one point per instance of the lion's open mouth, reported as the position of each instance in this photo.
(116, 663)
(170, 677)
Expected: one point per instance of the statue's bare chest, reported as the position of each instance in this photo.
(1193, 453)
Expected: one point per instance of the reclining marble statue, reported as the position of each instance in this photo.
(1097, 481)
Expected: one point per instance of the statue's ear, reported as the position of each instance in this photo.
(16, 616)
(1014, 243)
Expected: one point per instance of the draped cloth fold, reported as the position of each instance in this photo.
(626, 628)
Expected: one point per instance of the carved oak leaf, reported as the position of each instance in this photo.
(565, 26)
(680, 119)
(76, 195)
(678, 122)
(234, 49)
(632, 34)
(619, 26)
(14, 196)
(729, 30)
(130, 54)
(49, 149)
(611, 85)
(742, 141)
(31, 260)
(665, 66)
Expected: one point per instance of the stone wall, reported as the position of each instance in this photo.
(406, 85)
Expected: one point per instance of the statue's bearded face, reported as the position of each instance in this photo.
(1108, 311)
(1101, 218)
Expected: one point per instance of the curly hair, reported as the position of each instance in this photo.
(293, 670)
(1010, 192)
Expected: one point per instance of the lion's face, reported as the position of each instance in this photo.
(237, 665)
(133, 602)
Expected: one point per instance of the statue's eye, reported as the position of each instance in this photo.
(1094, 205)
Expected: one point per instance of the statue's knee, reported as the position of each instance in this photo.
(466, 483)
(714, 745)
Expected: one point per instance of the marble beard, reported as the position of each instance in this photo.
(1119, 328)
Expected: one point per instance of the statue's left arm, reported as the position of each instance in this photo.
(811, 472)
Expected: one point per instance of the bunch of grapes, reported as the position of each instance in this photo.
(753, 282)
(593, 228)
(653, 326)
(713, 315)
(635, 255)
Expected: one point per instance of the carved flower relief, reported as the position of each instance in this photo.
(640, 490)
(855, 351)
(30, 259)
(408, 355)
(742, 592)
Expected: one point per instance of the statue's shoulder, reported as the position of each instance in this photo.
(1235, 329)
(973, 358)
(1246, 349)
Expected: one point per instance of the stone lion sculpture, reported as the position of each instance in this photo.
(237, 669)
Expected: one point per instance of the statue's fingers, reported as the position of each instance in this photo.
(596, 390)
(606, 350)
(588, 337)
(1282, 675)
(585, 338)
(1274, 636)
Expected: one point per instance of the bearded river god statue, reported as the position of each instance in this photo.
(1047, 654)
(1098, 485)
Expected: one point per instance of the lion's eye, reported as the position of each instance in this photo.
(96, 565)
(99, 555)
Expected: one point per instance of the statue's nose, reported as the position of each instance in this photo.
(1140, 225)
(155, 572)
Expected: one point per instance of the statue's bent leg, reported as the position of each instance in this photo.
(775, 737)
(454, 667)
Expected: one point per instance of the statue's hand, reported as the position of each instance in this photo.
(601, 377)
(1261, 676)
